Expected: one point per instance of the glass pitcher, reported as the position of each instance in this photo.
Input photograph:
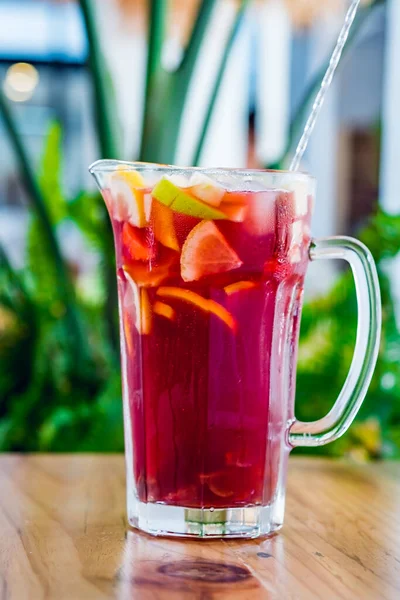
(210, 268)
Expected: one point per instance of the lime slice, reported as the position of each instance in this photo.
(169, 194)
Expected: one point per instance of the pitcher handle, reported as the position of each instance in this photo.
(346, 407)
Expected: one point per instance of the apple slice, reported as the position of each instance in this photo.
(206, 252)
(206, 189)
(208, 306)
(182, 201)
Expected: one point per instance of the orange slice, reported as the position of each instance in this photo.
(162, 220)
(206, 252)
(145, 312)
(131, 201)
(164, 310)
(220, 483)
(236, 197)
(239, 286)
(209, 306)
(128, 333)
(135, 244)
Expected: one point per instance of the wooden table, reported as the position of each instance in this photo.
(63, 535)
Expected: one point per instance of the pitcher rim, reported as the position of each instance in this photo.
(107, 165)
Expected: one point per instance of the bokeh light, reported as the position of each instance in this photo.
(20, 82)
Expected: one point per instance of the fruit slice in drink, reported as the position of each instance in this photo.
(208, 306)
(131, 201)
(206, 252)
(181, 201)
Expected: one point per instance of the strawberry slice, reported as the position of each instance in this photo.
(206, 252)
(137, 244)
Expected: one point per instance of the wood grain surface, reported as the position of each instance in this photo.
(63, 535)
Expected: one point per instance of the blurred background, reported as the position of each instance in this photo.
(210, 83)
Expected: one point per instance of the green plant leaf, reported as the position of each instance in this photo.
(85, 211)
(18, 329)
(166, 92)
(42, 268)
(39, 207)
(50, 177)
(107, 123)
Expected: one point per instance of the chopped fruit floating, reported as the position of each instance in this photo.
(239, 286)
(131, 200)
(162, 221)
(164, 310)
(234, 211)
(206, 189)
(206, 252)
(209, 306)
(137, 245)
(234, 206)
(145, 312)
(130, 303)
(183, 202)
(134, 178)
(129, 308)
(219, 483)
(128, 331)
(148, 275)
(261, 213)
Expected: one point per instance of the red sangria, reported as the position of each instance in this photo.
(210, 283)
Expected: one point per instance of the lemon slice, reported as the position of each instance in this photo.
(130, 200)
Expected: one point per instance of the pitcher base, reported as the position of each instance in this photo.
(248, 522)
